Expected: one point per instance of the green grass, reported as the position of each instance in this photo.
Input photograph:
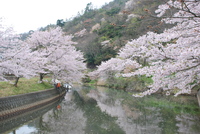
(24, 86)
(176, 105)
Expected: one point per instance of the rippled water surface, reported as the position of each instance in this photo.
(98, 110)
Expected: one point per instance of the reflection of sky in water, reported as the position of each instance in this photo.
(25, 130)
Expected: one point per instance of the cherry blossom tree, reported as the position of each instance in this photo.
(14, 56)
(53, 52)
(113, 67)
(174, 55)
(43, 52)
(16, 61)
(81, 33)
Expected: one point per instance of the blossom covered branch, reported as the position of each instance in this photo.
(173, 56)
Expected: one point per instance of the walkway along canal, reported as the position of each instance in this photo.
(99, 110)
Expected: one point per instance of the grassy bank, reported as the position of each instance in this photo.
(157, 102)
(130, 84)
(24, 86)
(187, 104)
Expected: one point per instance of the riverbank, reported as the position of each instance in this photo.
(180, 104)
(136, 85)
(131, 84)
(24, 86)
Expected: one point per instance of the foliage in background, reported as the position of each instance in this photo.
(120, 20)
(132, 84)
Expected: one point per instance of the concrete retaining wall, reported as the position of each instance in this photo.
(19, 104)
(8, 125)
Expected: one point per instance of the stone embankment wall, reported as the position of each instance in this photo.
(19, 104)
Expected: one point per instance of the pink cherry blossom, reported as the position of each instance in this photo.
(173, 56)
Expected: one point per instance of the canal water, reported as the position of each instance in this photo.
(99, 110)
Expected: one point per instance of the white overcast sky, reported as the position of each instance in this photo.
(25, 15)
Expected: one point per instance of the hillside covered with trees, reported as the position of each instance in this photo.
(109, 28)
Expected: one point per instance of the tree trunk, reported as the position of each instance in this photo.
(198, 97)
(41, 76)
(16, 81)
(145, 62)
